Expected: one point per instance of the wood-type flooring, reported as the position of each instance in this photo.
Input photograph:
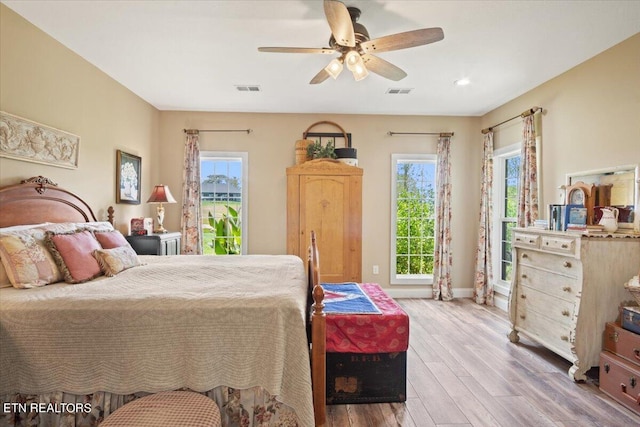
(463, 371)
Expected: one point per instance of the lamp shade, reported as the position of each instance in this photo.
(161, 194)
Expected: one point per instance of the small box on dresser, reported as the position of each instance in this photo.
(620, 366)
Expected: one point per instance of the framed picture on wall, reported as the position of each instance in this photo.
(128, 177)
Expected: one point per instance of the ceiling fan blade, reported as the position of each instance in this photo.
(323, 50)
(340, 22)
(383, 68)
(320, 77)
(403, 40)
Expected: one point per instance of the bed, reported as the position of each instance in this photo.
(234, 328)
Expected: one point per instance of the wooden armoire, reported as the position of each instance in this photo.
(326, 196)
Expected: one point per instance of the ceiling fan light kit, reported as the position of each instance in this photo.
(351, 40)
(334, 68)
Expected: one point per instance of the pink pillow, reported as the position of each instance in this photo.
(111, 239)
(73, 253)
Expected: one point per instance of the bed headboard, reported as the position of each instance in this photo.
(38, 199)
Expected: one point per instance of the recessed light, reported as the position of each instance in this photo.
(462, 82)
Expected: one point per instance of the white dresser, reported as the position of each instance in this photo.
(566, 287)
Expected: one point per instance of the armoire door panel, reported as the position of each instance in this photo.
(322, 209)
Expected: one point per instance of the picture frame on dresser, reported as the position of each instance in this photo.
(128, 178)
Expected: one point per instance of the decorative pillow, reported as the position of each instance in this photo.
(111, 239)
(27, 262)
(4, 279)
(94, 226)
(73, 254)
(113, 261)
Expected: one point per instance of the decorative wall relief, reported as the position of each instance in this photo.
(26, 140)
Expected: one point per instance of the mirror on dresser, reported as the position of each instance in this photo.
(618, 187)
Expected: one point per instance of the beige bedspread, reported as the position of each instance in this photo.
(184, 321)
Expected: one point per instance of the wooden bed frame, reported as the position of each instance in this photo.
(37, 200)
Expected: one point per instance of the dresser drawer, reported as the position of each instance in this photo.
(559, 244)
(625, 344)
(557, 285)
(550, 262)
(526, 240)
(558, 337)
(532, 300)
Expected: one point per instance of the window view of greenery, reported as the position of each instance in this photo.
(221, 195)
(415, 217)
(510, 206)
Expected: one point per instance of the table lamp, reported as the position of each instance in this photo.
(161, 194)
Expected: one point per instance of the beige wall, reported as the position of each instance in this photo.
(590, 121)
(43, 81)
(271, 151)
(591, 117)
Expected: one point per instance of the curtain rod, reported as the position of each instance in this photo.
(441, 134)
(197, 131)
(526, 113)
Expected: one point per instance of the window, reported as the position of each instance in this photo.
(505, 181)
(413, 199)
(223, 190)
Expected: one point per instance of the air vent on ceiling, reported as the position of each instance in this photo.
(399, 91)
(248, 88)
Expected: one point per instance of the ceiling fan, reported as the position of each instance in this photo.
(351, 40)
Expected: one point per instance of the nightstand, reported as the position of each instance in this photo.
(156, 244)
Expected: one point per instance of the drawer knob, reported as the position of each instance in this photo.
(636, 352)
(524, 276)
(518, 239)
(531, 241)
(523, 296)
(566, 264)
(614, 337)
(564, 338)
(567, 288)
(525, 256)
(522, 316)
(565, 313)
(632, 382)
(564, 246)
(607, 368)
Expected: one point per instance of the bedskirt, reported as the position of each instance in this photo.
(241, 408)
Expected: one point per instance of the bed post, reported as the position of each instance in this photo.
(318, 338)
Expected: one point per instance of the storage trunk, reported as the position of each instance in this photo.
(631, 319)
(622, 342)
(620, 380)
(366, 378)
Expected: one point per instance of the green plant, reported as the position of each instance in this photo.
(227, 239)
(316, 150)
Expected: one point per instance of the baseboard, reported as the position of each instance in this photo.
(426, 292)
(501, 302)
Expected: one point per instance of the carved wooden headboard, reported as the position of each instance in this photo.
(38, 199)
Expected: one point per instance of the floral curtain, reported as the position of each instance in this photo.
(442, 260)
(483, 288)
(191, 215)
(528, 190)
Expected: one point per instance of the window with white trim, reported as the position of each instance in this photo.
(506, 166)
(413, 199)
(223, 194)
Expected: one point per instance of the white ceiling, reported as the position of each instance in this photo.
(190, 55)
